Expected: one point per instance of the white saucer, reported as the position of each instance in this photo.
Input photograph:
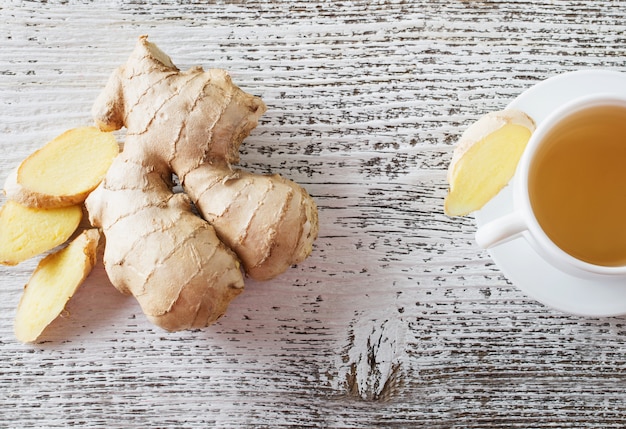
(518, 261)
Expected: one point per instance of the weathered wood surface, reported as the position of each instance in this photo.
(398, 319)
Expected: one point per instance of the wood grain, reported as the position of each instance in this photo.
(398, 319)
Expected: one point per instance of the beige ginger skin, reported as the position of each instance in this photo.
(183, 270)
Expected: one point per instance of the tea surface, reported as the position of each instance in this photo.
(577, 185)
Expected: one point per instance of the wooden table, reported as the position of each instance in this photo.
(397, 319)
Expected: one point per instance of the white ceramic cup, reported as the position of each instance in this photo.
(523, 223)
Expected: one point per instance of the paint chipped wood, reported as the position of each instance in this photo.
(397, 319)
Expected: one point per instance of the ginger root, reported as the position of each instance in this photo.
(65, 170)
(159, 251)
(183, 270)
(268, 221)
(27, 232)
(485, 159)
(53, 283)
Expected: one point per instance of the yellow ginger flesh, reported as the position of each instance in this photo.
(26, 232)
(65, 170)
(53, 283)
(485, 160)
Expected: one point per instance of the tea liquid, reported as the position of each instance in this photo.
(577, 185)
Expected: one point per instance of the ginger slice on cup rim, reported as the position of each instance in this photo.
(485, 159)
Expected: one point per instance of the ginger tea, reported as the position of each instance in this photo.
(577, 185)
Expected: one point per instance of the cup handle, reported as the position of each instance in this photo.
(501, 230)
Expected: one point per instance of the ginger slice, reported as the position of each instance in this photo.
(53, 283)
(485, 159)
(26, 232)
(64, 171)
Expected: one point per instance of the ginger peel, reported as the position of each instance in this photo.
(485, 159)
(183, 270)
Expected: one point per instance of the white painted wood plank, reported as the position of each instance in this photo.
(397, 319)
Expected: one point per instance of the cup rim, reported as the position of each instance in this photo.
(543, 243)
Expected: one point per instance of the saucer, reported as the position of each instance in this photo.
(517, 259)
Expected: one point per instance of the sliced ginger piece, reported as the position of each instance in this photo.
(485, 159)
(26, 232)
(64, 171)
(53, 283)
